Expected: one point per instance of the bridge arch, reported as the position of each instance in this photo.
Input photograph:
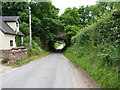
(61, 37)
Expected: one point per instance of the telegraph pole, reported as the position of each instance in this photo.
(30, 26)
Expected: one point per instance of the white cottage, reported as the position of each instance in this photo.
(9, 28)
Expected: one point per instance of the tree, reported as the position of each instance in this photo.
(12, 8)
(70, 17)
(45, 21)
(71, 30)
(24, 28)
(84, 15)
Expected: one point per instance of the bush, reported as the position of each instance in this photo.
(36, 49)
(6, 58)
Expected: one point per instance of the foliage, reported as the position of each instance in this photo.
(36, 46)
(102, 35)
(36, 49)
(70, 17)
(106, 77)
(18, 40)
(95, 48)
(45, 21)
(84, 15)
(6, 58)
(93, 30)
(24, 28)
(59, 43)
(9, 8)
(38, 41)
(71, 30)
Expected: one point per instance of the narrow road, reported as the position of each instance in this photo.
(60, 47)
(52, 71)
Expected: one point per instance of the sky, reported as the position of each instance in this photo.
(63, 4)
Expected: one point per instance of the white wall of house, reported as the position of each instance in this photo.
(1, 39)
(14, 26)
(5, 41)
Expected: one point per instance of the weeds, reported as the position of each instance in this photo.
(104, 76)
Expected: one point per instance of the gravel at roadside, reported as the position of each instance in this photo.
(4, 69)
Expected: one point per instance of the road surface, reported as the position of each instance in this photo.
(52, 71)
(61, 46)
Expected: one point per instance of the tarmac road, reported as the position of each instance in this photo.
(52, 71)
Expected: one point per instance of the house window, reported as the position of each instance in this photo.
(17, 24)
(11, 42)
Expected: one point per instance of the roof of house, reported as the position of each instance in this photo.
(21, 34)
(10, 18)
(6, 28)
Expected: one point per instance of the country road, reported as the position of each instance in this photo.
(52, 71)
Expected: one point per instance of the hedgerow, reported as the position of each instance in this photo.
(96, 49)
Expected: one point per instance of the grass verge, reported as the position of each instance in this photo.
(106, 77)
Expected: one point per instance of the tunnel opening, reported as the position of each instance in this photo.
(58, 45)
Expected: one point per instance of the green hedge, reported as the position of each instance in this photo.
(95, 48)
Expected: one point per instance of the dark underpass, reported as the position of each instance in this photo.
(59, 44)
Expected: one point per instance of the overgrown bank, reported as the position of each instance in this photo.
(95, 49)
